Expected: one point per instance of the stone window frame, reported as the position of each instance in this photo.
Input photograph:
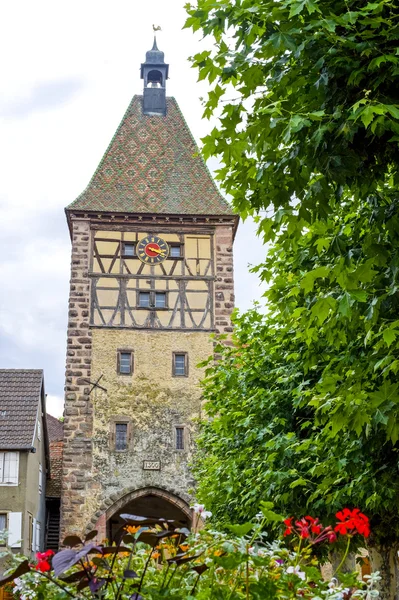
(112, 433)
(186, 363)
(118, 361)
(185, 437)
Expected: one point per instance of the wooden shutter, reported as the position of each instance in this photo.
(14, 529)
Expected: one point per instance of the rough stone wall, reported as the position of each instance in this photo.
(154, 402)
(224, 286)
(77, 455)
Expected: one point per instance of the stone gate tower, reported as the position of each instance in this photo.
(152, 277)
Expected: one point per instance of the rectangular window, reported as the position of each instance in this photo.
(40, 479)
(9, 462)
(175, 252)
(3, 527)
(125, 363)
(144, 299)
(179, 438)
(39, 430)
(128, 249)
(120, 436)
(160, 300)
(180, 364)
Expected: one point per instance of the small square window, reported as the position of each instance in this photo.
(180, 364)
(144, 299)
(160, 300)
(128, 249)
(125, 363)
(120, 436)
(179, 438)
(175, 251)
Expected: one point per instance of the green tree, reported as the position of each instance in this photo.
(308, 104)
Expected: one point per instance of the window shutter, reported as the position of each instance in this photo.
(37, 541)
(10, 469)
(33, 535)
(1, 466)
(14, 529)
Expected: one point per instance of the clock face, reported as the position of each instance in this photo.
(152, 250)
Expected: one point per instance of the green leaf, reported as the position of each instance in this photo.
(389, 336)
(241, 530)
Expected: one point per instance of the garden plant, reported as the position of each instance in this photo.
(156, 558)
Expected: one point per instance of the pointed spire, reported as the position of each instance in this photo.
(155, 73)
(155, 56)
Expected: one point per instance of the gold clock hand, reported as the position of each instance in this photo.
(161, 252)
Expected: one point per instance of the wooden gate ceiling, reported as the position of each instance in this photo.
(118, 280)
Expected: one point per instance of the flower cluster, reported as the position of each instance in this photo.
(199, 509)
(309, 528)
(349, 523)
(352, 522)
(43, 564)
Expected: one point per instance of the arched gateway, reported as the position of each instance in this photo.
(145, 502)
(151, 279)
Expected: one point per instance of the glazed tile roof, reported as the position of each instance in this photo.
(152, 166)
(20, 394)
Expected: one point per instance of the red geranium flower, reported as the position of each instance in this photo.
(303, 528)
(43, 565)
(352, 522)
(288, 524)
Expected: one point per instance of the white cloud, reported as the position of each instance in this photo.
(70, 71)
(55, 405)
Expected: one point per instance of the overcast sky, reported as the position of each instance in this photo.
(68, 71)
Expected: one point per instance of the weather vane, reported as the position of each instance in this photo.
(156, 28)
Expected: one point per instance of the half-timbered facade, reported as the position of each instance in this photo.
(151, 279)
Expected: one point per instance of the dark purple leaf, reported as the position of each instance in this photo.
(147, 537)
(101, 562)
(63, 561)
(87, 549)
(114, 549)
(200, 569)
(73, 576)
(129, 574)
(91, 535)
(180, 559)
(128, 539)
(72, 540)
(22, 568)
(136, 596)
(84, 583)
(96, 584)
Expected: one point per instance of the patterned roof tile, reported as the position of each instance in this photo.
(152, 165)
(20, 393)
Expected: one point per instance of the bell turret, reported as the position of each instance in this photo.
(155, 73)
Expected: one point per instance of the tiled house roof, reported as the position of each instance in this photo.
(152, 166)
(20, 394)
(55, 429)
